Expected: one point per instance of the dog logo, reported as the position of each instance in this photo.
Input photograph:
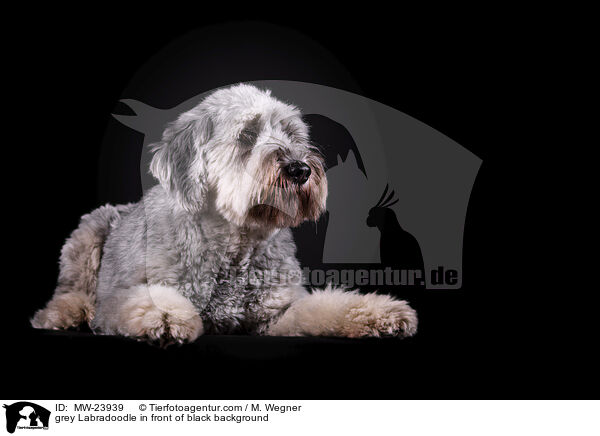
(26, 415)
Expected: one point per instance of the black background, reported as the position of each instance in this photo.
(467, 81)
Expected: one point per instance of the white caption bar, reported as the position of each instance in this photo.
(260, 417)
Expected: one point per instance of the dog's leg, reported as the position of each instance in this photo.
(156, 313)
(336, 312)
(63, 311)
(74, 298)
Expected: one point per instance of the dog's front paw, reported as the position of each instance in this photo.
(162, 327)
(337, 312)
(380, 315)
(400, 320)
(160, 315)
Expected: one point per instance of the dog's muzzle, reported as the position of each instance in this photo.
(298, 172)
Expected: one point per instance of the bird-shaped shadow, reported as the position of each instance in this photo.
(399, 250)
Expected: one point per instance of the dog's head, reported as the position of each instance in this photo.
(247, 155)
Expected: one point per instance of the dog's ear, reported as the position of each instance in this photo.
(178, 161)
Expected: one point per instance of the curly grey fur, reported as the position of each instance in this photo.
(79, 264)
(209, 248)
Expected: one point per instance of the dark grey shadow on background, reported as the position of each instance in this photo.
(431, 174)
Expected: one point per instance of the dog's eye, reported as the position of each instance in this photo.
(249, 133)
(294, 130)
(290, 130)
(248, 137)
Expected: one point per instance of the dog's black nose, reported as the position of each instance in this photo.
(298, 172)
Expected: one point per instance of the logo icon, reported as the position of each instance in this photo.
(26, 415)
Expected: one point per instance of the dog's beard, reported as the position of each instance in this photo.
(281, 203)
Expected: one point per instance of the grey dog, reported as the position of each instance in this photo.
(209, 249)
